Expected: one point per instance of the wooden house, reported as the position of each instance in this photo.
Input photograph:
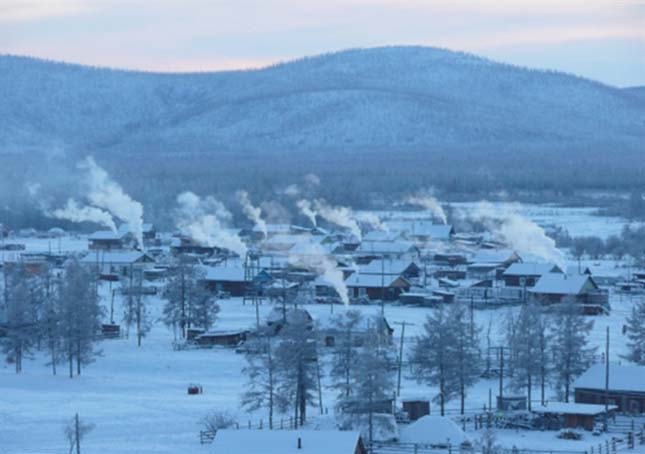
(376, 287)
(107, 240)
(118, 264)
(556, 288)
(626, 387)
(527, 274)
(327, 328)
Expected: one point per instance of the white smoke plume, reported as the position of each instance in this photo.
(293, 190)
(312, 179)
(372, 220)
(33, 188)
(341, 216)
(307, 209)
(203, 220)
(77, 213)
(107, 194)
(430, 203)
(313, 257)
(518, 232)
(253, 213)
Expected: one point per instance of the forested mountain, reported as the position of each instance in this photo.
(390, 99)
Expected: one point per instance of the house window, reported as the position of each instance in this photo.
(330, 341)
(362, 291)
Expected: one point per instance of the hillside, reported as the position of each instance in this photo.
(395, 99)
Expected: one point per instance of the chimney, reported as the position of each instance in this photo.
(299, 443)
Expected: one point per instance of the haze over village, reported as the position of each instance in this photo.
(362, 227)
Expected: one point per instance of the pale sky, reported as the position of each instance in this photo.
(599, 39)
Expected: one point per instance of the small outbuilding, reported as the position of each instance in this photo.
(231, 441)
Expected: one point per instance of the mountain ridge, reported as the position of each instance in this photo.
(388, 98)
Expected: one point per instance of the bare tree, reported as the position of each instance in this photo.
(75, 431)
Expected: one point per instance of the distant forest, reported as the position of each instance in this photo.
(369, 179)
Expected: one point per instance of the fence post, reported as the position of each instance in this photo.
(281, 423)
(260, 424)
(416, 449)
(249, 423)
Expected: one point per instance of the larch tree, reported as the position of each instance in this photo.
(635, 332)
(21, 325)
(80, 316)
(372, 378)
(464, 359)
(135, 310)
(260, 371)
(183, 293)
(430, 356)
(526, 362)
(344, 355)
(571, 356)
(296, 367)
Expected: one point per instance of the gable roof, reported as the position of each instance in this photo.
(231, 441)
(386, 247)
(421, 227)
(116, 257)
(395, 266)
(231, 273)
(495, 256)
(621, 378)
(562, 284)
(531, 269)
(375, 280)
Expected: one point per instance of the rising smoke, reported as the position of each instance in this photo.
(339, 215)
(253, 213)
(518, 232)
(77, 213)
(204, 221)
(430, 203)
(307, 210)
(313, 257)
(105, 193)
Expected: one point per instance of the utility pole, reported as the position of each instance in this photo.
(400, 365)
(606, 380)
(383, 285)
(501, 374)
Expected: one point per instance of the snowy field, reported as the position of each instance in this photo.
(137, 397)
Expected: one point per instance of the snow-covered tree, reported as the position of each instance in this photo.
(75, 431)
(464, 364)
(372, 378)
(80, 316)
(135, 311)
(571, 356)
(344, 356)
(431, 356)
(183, 293)
(528, 336)
(635, 332)
(21, 323)
(296, 367)
(261, 372)
(203, 310)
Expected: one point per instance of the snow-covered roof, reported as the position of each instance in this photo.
(116, 257)
(571, 408)
(372, 280)
(531, 269)
(420, 227)
(433, 430)
(621, 378)
(394, 266)
(561, 284)
(380, 235)
(230, 273)
(384, 247)
(495, 256)
(232, 441)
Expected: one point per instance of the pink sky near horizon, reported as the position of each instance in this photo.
(600, 39)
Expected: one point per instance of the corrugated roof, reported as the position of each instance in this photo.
(560, 284)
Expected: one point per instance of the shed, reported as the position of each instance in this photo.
(376, 287)
(434, 431)
(573, 415)
(527, 274)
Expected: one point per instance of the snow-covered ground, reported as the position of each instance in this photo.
(137, 396)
